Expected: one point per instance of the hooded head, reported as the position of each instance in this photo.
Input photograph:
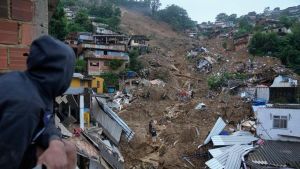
(50, 65)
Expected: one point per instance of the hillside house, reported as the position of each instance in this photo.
(70, 15)
(139, 42)
(284, 90)
(101, 29)
(279, 122)
(280, 30)
(103, 51)
(80, 81)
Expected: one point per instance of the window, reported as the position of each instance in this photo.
(94, 63)
(280, 122)
(105, 52)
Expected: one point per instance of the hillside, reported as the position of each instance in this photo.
(181, 128)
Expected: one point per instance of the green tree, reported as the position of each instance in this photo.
(69, 2)
(110, 79)
(155, 4)
(222, 17)
(287, 22)
(82, 18)
(135, 64)
(177, 17)
(264, 44)
(232, 18)
(115, 64)
(244, 24)
(58, 23)
(107, 13)
(80, 66)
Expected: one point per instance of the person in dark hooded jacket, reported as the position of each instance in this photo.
(26, 106)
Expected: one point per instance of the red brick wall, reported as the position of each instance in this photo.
(16, 33)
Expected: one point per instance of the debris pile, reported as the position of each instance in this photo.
(235, 147)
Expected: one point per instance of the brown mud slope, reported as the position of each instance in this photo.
(181, 128)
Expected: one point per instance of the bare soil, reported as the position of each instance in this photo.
(181, 128)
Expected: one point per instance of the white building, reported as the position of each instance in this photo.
(280, 122)
(284, 81)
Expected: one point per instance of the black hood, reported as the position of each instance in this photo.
(50, 65)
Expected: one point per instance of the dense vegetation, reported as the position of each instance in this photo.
(177, 17)
(105, 12)
(287, 48)
(58, 23)
(216, 81)
(135, 64)
(174, 15)
(110, 79)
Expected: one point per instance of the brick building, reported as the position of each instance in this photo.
(21, 21)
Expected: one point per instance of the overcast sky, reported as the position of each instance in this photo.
(206, 10)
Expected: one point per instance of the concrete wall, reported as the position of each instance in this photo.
(21, 21)
(265, 124)
(101, 66)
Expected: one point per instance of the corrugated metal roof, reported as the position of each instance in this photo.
(217, 129)
(232, 140)
(218, 151)
(74, 91)
(242, 133)
(277, 154)
(284, 81)
(230, 159)
(78, 75)
(129, 133)
(112, 129)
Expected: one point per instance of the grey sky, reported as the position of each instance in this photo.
(206, 10)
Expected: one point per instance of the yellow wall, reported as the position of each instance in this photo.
(75, 82)
(97, 83)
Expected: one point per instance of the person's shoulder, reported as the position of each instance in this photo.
(17, 86)
(12, 78)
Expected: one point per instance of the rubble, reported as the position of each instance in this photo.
(236, 147)
(200, 106)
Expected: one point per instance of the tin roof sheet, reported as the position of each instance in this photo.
(232, 140)
(230, 158)
(218, 151)
(217, 129)
(242, 133)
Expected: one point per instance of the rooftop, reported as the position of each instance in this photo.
(284, 81)
(277, 154)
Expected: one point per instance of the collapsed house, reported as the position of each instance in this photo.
(205, 64)
(233, 148)
(97, 129)
(139, 42)
(241, 149)
(269, 140)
